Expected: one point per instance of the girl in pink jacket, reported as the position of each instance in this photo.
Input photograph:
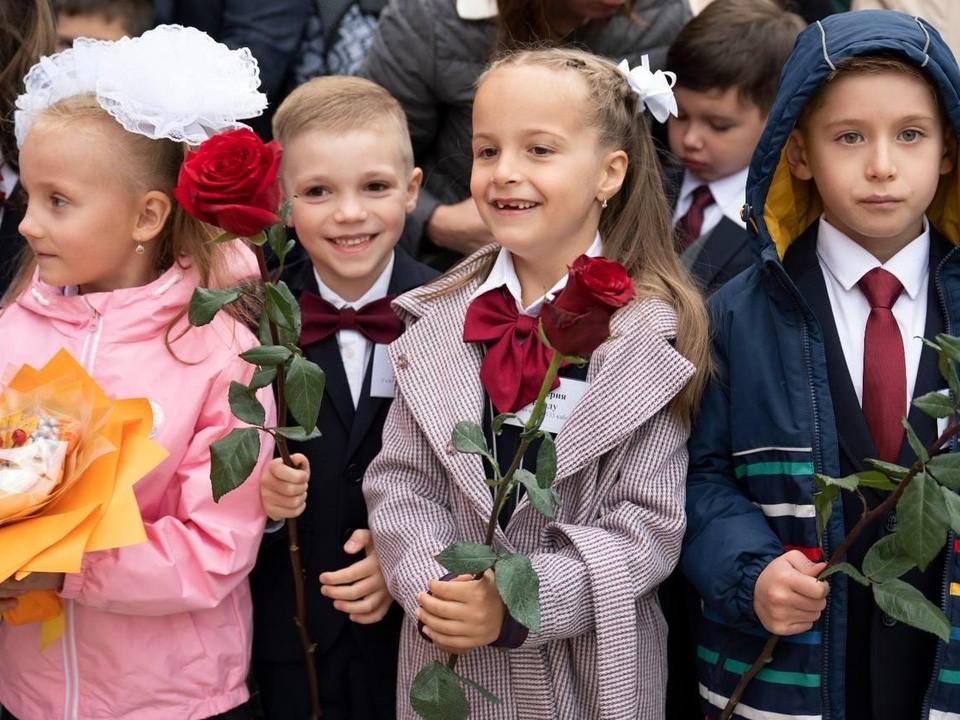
(159, 630)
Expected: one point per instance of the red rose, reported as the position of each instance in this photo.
(578, 320)
(231, 182)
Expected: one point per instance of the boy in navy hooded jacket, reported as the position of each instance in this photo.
(852, 194)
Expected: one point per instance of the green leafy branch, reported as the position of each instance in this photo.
(927, 507)
(438, 691)
(297, 383)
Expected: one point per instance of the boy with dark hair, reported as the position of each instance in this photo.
(853, 205)
(348, 169)
(727, 61)
(101, 19)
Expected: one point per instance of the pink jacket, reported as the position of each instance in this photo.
(159, 630)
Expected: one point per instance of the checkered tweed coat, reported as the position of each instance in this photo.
(622, 461)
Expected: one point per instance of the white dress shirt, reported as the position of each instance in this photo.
(355, 349)
(729, 194)
(843, 262)
(503, 273)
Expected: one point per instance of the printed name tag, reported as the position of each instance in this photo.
(559, 404)
(381, 378)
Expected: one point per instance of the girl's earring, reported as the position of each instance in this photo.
(139, 249)
(603, 204)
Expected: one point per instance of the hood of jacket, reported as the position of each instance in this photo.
(780, 207)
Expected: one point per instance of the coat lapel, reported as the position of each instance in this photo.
(726, 241)
(632, 376)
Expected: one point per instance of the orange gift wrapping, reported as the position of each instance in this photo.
(69, 458)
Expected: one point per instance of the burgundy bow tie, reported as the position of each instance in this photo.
(516, 362)
(376, 320)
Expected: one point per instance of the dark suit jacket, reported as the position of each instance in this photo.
(11, 242)
(725, 253)
(338, 458)
(873, 637)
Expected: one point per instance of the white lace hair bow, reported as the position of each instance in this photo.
(171, 82)
(654, 89)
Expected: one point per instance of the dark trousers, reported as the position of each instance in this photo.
(353, 685)
(239, 713)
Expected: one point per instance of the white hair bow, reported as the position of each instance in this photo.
(654, 89)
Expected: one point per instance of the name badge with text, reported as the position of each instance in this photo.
(559, 405)
(381, 378)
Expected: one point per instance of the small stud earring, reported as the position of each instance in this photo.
(603, 204)
(139, 249)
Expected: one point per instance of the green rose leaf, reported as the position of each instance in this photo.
(467, 558)
(304, 390)
(547, 462)
(277, 238)
(244, 404)
(297, 433)
(487, 695)
(436, 694)
(543, 499)
(905, 603)
(468, 438)
(519, 587)
(914, 441)
(263, 330)
(282, 307)
(949, 371)
(262, 377)
(850, 482)
(946, 469)
(950, 346)
(876, 480)
(889, 469)
(257, 239)
(952, 502)
(206, 303)
(886, 560)
(922, 520)
(224, 237)
(823, 507)
(233, 459)
(267, 355)
(846, 569)
(935, 404)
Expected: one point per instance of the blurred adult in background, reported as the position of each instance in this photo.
(101, 19)
(27, 31)
(429, 54)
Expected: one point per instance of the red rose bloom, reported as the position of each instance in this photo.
(231, 182)
(578, 320)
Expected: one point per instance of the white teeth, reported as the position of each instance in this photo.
(514, 205)
(351, 242)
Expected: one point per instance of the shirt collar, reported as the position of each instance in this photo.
(848, 262)
(476, 9)
(728, 192)
(378, 290)
(503, 273)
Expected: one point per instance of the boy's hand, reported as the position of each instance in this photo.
(462, 614)
(358, 589)
(283, 490)
(788, 598)
(458, 227)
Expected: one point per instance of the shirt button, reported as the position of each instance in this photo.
(887, 621)
(403, 362)
(348, 351)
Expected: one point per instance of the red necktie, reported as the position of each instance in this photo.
(689, 226)
(516, 362)
(376, 320)
(884, 369)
